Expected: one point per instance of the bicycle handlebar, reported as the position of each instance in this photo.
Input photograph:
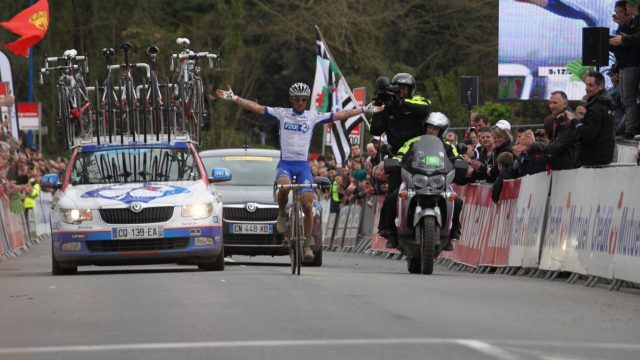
(48, 69)
(297, 186)
(190, 55)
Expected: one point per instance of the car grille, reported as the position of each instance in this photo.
(138, 245)
(249, 239)
(241, 214)
(147, 215)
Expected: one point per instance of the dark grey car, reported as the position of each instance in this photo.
(249, 210)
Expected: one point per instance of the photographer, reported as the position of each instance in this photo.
(401, 120)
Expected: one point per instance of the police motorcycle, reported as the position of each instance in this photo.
(425, 201)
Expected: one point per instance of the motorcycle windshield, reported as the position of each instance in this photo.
(429, 155)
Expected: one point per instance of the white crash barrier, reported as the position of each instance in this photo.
(626, 154)
(528, 229)
(593, 223)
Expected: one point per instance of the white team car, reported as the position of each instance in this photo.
(136, 204)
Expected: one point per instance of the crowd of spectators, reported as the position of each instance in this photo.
(21, 166)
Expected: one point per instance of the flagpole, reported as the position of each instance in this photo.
(364, 118)
(30, 96)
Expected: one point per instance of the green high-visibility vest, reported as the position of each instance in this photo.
(335, 195)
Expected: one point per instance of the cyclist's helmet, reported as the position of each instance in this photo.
(299, 89)
(439, 120)
(405, 79)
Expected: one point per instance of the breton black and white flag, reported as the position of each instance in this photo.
(331, 93)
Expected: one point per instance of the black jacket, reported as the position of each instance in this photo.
(401, 123)
(505, 174)
(561, 150)
(628, 54)
(597, 141)
(492, 175)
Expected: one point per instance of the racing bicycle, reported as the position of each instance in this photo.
(295, 229)
(74, 106)
(189, 93)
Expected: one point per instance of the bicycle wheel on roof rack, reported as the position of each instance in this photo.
(85, 112)
(64, 113)
(197, 111)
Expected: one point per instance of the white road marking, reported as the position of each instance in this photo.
(487, 347)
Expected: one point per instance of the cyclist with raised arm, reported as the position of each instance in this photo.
(296, 128)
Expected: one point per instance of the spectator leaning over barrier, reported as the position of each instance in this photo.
(595, 130)
(525, 163)
(505, 169)
(562, 149)
(626, 48)
(485, 154)
(502, 141)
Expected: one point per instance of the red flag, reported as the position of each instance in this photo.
(32, 24)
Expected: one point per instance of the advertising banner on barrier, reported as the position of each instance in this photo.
(14, 227)
(625, 231)
(325, 204)
(496, 250)
(328, 233)
(377, 242)
(341, 226)
(4, 242)
(585, 228)
(353, 224)
(526, 236)
(476, 223)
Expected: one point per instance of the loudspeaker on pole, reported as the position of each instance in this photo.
(469, 90)
(595, 46)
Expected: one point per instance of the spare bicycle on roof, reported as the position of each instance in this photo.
(131, 103)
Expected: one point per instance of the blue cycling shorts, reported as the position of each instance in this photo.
(300, 169)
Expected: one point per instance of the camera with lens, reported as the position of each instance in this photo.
(386, 93)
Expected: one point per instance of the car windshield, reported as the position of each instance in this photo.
(139, 164)
(245, 169)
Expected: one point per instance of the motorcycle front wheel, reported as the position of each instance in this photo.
(430, 233)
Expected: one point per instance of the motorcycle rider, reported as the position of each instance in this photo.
(435, 124)
(400, 120)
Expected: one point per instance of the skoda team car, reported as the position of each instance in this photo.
(249, 213)
(136, 204)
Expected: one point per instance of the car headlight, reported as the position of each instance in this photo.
(420, 181)
(197, 211)
(75, 216)
(437, 181)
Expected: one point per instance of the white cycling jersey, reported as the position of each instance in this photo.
(296, 130)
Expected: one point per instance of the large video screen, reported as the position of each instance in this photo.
(540, 39)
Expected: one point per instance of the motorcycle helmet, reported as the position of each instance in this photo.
(439, 120)
(299, 89)
(405, 79)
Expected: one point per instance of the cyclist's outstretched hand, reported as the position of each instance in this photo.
(226, 94)
(371, 108)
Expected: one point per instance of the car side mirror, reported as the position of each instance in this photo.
(323, 182)
(391, 166)
(220, 175)
(50, 181)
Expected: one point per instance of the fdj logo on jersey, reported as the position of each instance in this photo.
(296, 127)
